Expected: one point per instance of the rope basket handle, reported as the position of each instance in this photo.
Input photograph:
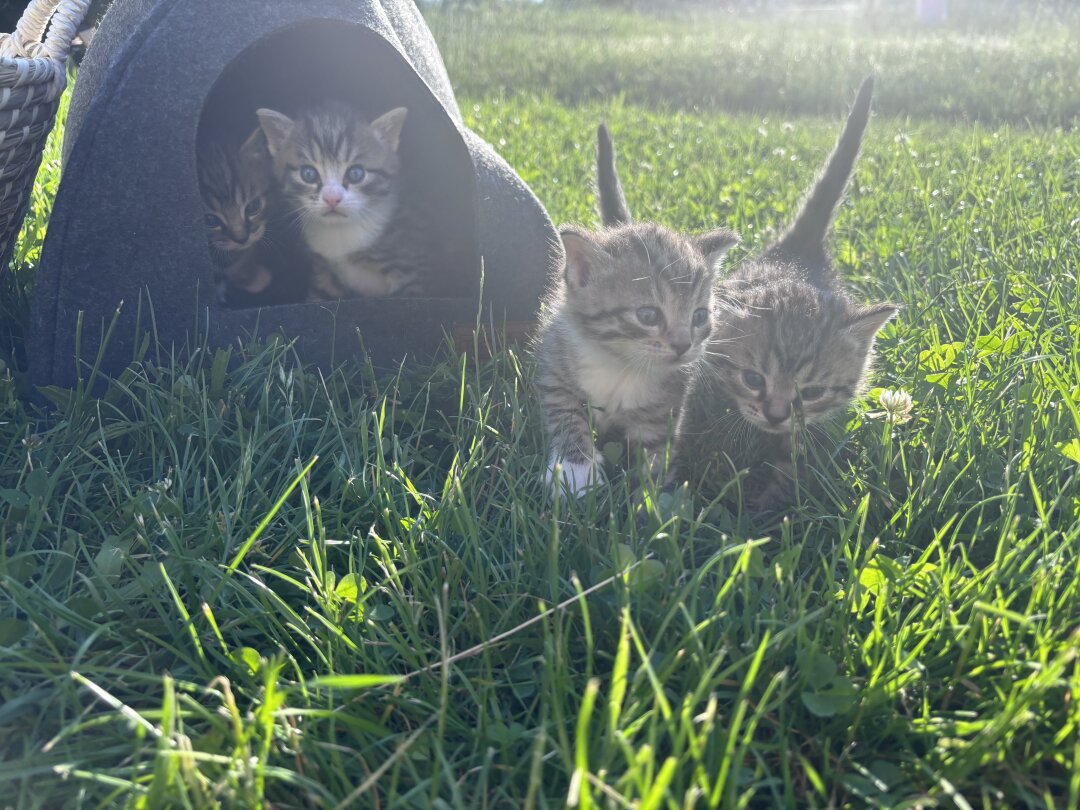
(65, 17)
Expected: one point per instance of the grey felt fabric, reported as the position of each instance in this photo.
(127, 227)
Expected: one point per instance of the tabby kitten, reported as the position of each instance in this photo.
(790, 349)
(620, 331)
(340, 176)
(236, 185)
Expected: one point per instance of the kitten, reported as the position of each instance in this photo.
(236, 185)
(340, 176)
(790, 348)
(620, 331)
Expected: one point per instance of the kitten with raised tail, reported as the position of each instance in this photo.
(341, 179)
(621, 330)
(790, 350)
(237, 187)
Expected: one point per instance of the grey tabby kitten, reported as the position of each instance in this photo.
(790, 350)
(620, 331)
(237, 184)
(340, 176)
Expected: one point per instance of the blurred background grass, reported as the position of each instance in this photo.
(1014, 62)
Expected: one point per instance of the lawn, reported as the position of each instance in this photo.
(235, 580)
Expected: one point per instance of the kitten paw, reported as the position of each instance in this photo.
(249, 277)
(575, 476)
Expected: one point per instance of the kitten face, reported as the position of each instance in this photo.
(235, 185)
(786, 350)
(336, 170)
(642, 293)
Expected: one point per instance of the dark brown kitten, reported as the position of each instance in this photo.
(236, 184)
(790, 348)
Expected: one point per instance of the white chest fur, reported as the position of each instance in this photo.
(612, 389)
(342, 245)
(335, 242)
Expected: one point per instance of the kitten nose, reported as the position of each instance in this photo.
(238, 235)
(775, 417)
(680, 347)
(679, 340)
(333, 195)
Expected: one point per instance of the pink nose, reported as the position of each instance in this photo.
(333, 195)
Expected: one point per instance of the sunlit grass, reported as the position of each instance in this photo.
(1025, 68)
(416, 626)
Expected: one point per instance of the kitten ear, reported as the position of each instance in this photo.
(388, 126)
(255, 148)
(715, 244)
(277, 127)
(865, 322)
(582, 254)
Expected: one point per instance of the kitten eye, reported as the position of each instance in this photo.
(253, 208)
(649, 316)
(811, 393)
(214, 221)
(309, 174)
(753, 380)
(700, 318)
(355, 174)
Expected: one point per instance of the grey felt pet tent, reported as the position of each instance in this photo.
(128, 223)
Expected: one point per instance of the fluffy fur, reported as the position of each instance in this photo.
(790, 348)
(340, 177)
(623, 326)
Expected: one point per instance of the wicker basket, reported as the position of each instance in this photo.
(32, 78)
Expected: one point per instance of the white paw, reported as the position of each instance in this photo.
(575, 476)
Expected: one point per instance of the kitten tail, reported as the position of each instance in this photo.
(804, 241)
(613, 207)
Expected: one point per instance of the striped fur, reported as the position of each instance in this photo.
(237, 188)
(790, 349)
(363, 240)
(621, 330)
(602, 365)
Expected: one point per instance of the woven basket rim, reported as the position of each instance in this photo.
(39, 62)
(45, 30)
(32, 77)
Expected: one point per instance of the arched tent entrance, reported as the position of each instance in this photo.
(128, 223)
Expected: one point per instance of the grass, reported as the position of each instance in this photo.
(1024, 69)
(236, 581)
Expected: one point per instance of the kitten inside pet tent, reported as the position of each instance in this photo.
(128, 226)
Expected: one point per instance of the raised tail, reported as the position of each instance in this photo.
(613, 207)
(804, 241)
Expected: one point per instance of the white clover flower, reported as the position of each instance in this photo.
(897, 406)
